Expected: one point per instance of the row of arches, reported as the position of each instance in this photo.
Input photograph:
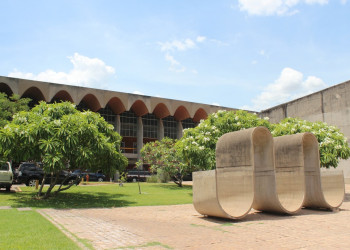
(114, 104)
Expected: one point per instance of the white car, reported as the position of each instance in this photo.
(6, 175)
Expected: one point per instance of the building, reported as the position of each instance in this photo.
(141, 119)
(137, 118)
(330, 105)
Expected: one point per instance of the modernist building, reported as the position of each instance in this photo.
(137, 118)
(330, 105)
(141, 119)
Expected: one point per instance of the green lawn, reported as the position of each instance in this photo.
(29, 230)
(88, 196)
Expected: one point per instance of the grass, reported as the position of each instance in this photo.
(98, 196)
(29, 230)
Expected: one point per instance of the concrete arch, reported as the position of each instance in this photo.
(116, 105)
(199, 115)
(35, 94)
(181, 113)
(139, 108)
(5, 89)
(91, 102)
(62, 95)
(161, 111)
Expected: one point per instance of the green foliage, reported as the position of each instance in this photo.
(198, 144)
(10, 106)
(333, 144)
(152, 179)
(163, 176)
(58, 135)
(165, 159)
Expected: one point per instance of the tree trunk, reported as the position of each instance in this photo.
(41, 186)
(52, 185)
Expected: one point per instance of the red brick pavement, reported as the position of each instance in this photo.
(181, 227)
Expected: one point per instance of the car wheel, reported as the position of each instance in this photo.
(8, 188)
(100, 179)
(31, 183)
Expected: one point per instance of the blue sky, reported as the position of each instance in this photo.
(251, 54)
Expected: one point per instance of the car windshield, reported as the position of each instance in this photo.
(4, 167)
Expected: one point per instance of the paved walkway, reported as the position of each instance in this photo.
(181, 227)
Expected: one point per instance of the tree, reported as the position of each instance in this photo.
(333, 144)
(58, 135)
(164, 156)
(198, 144)
(10, 106)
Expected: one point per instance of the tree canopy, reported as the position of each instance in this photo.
(10, 106)
(333, 145)
(164, 156)
(58, 135)
(198, 144)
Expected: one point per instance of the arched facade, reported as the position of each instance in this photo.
(62, 96)
(4, 88)
(139, 119)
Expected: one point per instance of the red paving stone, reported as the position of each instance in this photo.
(181, 227)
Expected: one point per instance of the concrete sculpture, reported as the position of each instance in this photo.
(255, 170)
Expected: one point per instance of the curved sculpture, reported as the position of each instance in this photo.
(244, 178)
(253, 169)
(325, 191)
(289, 171)
(281, 190)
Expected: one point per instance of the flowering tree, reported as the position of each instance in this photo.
(333, 144)
(58, 135)
(10, 106)
(198, 144)
(163, 155)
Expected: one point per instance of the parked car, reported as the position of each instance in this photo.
(6, 175)
(98, 176)
(137, 175)
(29, 172)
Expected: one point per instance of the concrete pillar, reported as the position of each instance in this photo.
(160, 129)
(179, 129)
(139, 136)
(117, 124)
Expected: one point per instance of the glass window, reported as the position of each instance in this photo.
(188, 123)
(4, 167)
(150, 126)
(108, 114)
(128, 121)
(170, 127)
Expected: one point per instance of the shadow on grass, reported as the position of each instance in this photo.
(70, 200)
(174, 187)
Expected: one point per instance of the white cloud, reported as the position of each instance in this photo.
(215, 104)
(177, 45)
(174, 46)
(343, 1)
(274, 7)
(288, 86)
(174, 65)
(200, 39)
(86, 72)
(136, 92)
